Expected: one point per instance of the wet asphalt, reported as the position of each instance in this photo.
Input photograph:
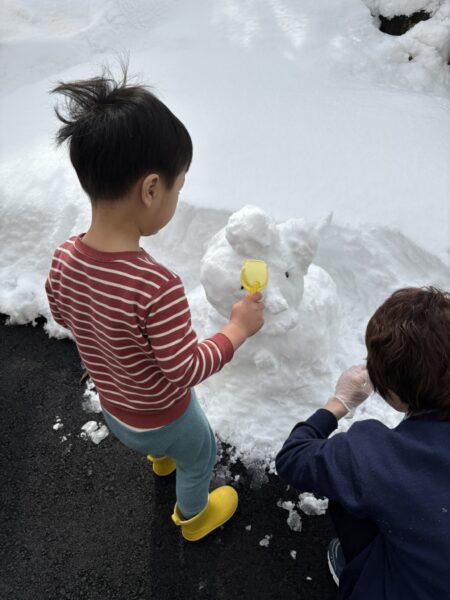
(85, 522)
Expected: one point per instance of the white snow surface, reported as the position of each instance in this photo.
(392, 8)
(297, 111)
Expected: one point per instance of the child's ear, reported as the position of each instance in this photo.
(149, 188)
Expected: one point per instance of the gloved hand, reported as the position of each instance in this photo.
(353, 387)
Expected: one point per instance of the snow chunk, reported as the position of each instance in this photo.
(311, 505)
(294, 520)
(94, 431)
(92, 401)
(248, 527)
(265, 541)
(293, 553)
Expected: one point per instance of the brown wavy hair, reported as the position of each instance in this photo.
(408, 349)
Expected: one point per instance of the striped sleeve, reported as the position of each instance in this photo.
(183, 360)
(52, 304)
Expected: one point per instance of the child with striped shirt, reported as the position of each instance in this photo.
(128, 313)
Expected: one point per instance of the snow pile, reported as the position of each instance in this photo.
(325, 281)
(419, 57)
(354, 122)
(292, 357)
(301, 315)
(287, 247)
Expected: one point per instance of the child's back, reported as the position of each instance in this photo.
(128, 314)
(131, 321)
(399, 480)
(389, 489)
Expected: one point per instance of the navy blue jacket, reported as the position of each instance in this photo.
(400, 479)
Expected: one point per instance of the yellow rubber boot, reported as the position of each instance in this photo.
(162, 466)
(222, 504)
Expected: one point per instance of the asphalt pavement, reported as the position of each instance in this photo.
(81, 521)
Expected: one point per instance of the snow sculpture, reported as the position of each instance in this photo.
(291, 350)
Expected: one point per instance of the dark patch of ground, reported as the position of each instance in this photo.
(400, 24)
(86, 522)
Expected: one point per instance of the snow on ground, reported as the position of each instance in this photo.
(265, 541)
(293, 520)
(96, 432)
(302, 109)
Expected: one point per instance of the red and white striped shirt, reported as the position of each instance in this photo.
(132, 325)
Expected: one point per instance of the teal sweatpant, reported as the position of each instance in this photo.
(189, 440)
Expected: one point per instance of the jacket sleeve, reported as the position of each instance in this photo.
(328, 467)
(52, 304)
(181, 357)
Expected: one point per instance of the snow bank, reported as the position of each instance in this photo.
(302, 109)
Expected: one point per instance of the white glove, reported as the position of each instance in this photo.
(353, 387)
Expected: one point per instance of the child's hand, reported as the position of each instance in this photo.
(247, 317)
(248, 314)
(353, 387)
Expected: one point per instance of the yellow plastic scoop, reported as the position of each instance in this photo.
(254, 275)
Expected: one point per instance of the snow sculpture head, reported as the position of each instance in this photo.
(288, 248)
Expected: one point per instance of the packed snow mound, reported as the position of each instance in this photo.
(425, 45)
(287, 247)
(301, 316)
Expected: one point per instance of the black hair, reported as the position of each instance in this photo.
(118, 133)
